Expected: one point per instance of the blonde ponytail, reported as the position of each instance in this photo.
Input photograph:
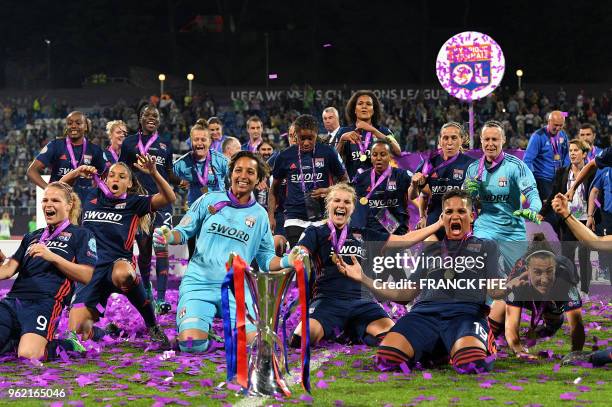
(75, 211)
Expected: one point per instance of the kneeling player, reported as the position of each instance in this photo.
(339, 303)
(224, 222)
(550, 292)
(113, 212)
(444, 322)
(48, 262)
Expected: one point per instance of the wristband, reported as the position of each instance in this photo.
(284, 263)
(565, 219)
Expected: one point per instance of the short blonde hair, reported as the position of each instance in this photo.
(340, 187)
(110, 126)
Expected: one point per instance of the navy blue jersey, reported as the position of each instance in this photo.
(162, 153)
(329, 282)
(110, 155)
(114, 223)
(444, 180)
(282, 189)
(351, 152)
(39, 278)
(319, 167)
(566, 294)
(472, 259)
(56, 157)
(604, 158)
(564, 291)
(391, 194)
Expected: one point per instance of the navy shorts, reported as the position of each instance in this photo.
(97, 291)
(433, 335)
(352, 316)
(20, 317)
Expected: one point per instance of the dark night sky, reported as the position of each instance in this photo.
(385, 42)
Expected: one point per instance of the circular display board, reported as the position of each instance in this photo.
(470, 65)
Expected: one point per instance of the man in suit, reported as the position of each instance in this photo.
(331, 122)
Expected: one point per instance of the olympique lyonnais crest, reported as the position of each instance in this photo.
(470, 65)
(457, 174)
(502, 181)
(250, 221)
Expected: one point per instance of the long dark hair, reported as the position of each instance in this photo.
(349, 111)
(144, 224)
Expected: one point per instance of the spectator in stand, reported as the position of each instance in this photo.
(547, 152)
(331, 122)
(32, 224)
(6, 223)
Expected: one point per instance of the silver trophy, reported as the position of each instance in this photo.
(266, 363)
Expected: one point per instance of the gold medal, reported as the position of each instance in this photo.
(362, 157)
(204, 190)
(449, 274)
(363, 200)
(557, 157)
(334, 258)
(212, 209)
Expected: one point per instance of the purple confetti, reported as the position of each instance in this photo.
(321, 384)
(405, 369)
(426, 375)
(567, 396)
(306, 398)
